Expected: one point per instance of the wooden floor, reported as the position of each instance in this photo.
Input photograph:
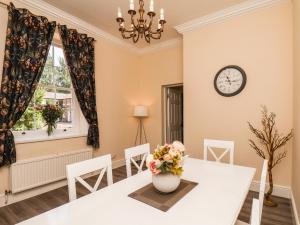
(15, 213)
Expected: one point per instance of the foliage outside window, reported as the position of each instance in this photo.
(54, 88)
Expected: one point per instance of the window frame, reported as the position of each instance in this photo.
(79, 124)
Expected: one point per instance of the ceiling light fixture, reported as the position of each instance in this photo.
(141, 29)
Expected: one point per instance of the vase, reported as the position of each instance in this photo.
(50, 128)
(166, 182)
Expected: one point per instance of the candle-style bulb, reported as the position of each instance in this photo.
(119, 13)
(151, 6)
(162, 14)
(131, 5)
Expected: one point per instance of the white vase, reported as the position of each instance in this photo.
(166, 182)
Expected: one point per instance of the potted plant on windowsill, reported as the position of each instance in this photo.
(271, 142)
(51, 113)
(166, 165)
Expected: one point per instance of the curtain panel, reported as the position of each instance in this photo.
(79, 53)
(28, 40)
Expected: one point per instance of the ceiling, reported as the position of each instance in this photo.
(103, 13)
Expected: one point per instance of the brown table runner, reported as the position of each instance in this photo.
(150, 196)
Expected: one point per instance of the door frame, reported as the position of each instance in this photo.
(164, 89)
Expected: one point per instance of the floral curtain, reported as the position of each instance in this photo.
(28, 40)
(79, 53)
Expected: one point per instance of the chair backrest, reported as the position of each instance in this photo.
(227, 145)
(257, 205)
(262, 187)
(255, 220)
(130, 153)
(76, 170)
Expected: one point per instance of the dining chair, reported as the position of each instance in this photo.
(257, 205)
(131, 153)
(76, 170)
(227, 145)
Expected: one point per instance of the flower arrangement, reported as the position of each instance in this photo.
(51, 113)
(167, 159)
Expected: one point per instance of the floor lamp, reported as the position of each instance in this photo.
(140, 112)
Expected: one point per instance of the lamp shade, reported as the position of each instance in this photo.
(140, 111)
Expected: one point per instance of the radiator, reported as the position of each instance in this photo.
(28, 174)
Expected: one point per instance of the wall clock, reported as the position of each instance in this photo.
(230, 81)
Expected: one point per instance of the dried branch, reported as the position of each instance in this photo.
(281, 141)
(259, 134)
(278, 158)
(271, 140)
(257, 149)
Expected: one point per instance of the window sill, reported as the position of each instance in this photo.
(43, 138)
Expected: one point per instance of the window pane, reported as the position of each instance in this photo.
(38, 100)
(27, 120)
(62, 78)
(58, 56)
(32, 119)
(64, 100)
(49, 61)
(50, 96)
(47, 76)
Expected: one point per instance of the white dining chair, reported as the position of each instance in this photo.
(257, 205)
(76, 170)
(131, 153)
(209, 146)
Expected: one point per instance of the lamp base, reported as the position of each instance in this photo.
(140, 134)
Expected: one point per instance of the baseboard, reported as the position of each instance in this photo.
(280, 191)
(43, 189)
(118, 163)
(295, 209)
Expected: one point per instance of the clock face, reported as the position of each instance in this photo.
(230, 81)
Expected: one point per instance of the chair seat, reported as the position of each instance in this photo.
(239, 222)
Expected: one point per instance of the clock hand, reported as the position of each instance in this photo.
(228, 80)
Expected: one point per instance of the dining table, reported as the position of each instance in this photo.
(216, 200)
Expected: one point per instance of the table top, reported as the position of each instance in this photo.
(216, 200)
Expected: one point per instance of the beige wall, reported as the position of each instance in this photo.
(116, 85)
(296, 156)
(160, 68)
(261, 43)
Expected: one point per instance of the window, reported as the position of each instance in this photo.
(55, 87)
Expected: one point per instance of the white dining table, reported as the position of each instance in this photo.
(216, 200)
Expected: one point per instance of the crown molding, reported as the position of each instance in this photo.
(224, 14)
(161, 46)
(74, 21)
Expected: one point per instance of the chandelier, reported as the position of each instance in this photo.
(141, 28)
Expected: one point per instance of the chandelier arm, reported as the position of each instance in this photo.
(129, 31)
(126, 37)
(132, 22)
(150, 24)
(124, 32)
(135, 38)
(156, 37)
(148, 38)
(158, 31)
